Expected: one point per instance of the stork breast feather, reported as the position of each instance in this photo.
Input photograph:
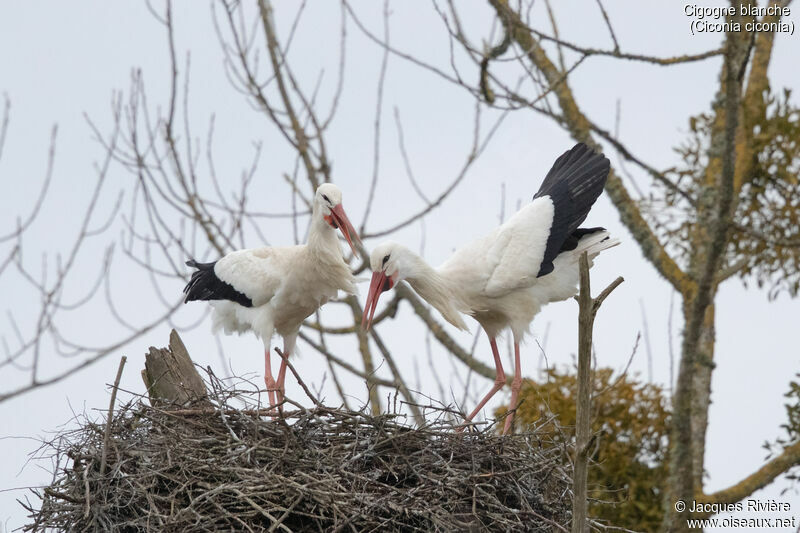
(518, 248)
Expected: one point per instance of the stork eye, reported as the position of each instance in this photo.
(326, 198)
(385, 259)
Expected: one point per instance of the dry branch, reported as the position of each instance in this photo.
(759, 479)
(587, 313)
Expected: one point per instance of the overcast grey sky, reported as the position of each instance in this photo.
(60, 60)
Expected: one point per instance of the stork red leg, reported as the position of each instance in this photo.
(268, 379)
(282, 377)
(499, 380)
(288, 347)
(516, 383)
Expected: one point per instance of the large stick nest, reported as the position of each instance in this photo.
(222, 468)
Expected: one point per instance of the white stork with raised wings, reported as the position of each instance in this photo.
(273, 289)
(504, 279)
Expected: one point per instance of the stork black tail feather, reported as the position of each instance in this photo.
(205, 285)
(571, 242)
(573, 185)
(200, 266)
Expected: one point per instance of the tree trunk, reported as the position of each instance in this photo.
(716, 205)
(701, 396)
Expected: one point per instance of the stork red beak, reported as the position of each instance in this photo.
(380, 283)
(338, 219)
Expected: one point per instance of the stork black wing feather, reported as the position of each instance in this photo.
(573, 185)
(205, 285)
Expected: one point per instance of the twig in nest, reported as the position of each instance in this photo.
(297, 377)
(107, 435)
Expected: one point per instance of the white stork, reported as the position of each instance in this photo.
(273, 289)
(505, 278)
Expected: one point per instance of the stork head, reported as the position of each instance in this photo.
(390, 263)
(328, 202)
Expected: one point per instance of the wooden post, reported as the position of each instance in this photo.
(583, 424)
(170, 376)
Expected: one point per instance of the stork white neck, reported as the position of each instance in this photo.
(434, 288)
(326, 252)
(321, 235)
